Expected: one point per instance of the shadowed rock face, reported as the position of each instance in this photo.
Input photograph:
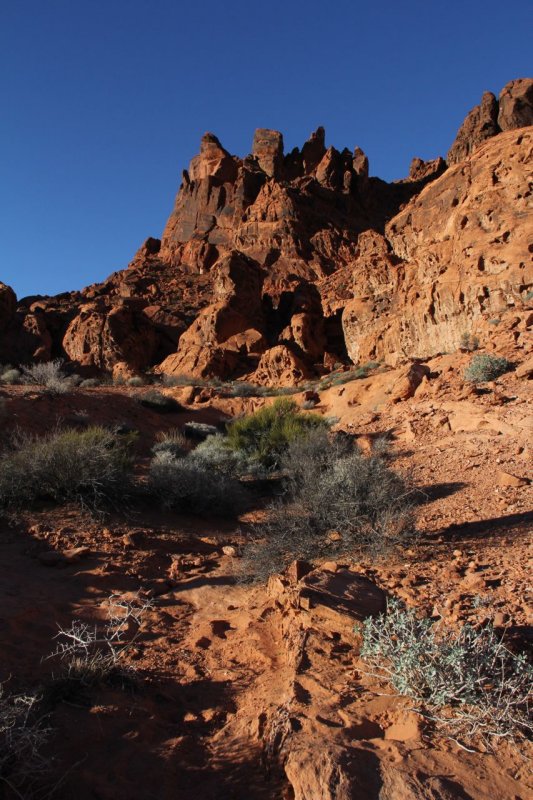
(277, 266)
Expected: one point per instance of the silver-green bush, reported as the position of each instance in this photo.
(484, 367)
(466, 681)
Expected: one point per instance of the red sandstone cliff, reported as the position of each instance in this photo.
(278, 265)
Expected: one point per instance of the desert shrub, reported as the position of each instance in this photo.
(49, 375)
(485, 367)
(465, 680)
(11, 377)
(199, 431)
(244, 389)
(214, 454)
(173, 442)
(265, 435)
(92, 655)
(469, 342)
(23, 735)
(91, 467)
(158, 401)
(90, 383)
(336, 502)
(136, 381)
(187, 484)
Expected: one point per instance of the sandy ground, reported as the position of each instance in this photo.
(240, 692)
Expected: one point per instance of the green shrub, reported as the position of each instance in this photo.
(186, 484)
(91, 467)
(467, 681)
(336, 502)
(265, 435)
(485, 367)
(158, 401)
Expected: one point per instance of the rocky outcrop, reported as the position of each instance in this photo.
(480, 124)
(460, 256)
(8, 305)
(514, 109)
(277, 266)
(516, 105)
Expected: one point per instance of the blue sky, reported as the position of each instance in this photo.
(104, 103)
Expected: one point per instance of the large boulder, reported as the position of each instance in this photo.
(480, 124)
(516, 104)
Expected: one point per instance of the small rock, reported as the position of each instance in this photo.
(507, 479)
(500, 619)
(229, 550)
(75, 553)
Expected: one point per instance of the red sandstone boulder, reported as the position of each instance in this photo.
(480, 124)
(516, 104)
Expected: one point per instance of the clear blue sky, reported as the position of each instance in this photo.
(104, 102)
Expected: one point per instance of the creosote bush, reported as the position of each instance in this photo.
(265, 435)
(187, 484)
(337, 501)
(466, 681)
(484, 367)
(91, 467)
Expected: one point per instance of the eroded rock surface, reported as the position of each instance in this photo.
(278, 266)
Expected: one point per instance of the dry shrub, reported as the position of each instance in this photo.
(49, 375)
(187, 484)
(23, 735)
(92, 655)
(336, 502)
(91, 467)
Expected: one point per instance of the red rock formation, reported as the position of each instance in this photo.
(277, 266)
(516, 105)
